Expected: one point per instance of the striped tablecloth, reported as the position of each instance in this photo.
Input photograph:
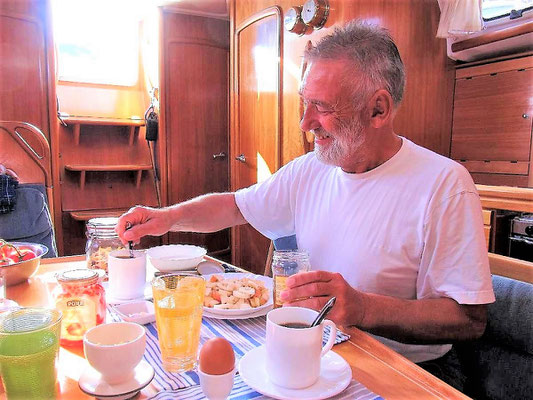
(244, 335)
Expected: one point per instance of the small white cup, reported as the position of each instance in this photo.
(216, 387)
(293, 355)
(127, 276)
(115, 349)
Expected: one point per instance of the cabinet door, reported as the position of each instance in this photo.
(258, 121)
(492, 117)
(23, 63)
(195, 89)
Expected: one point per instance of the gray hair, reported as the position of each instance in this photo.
(369, 50)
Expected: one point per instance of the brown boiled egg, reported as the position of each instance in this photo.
(217, 357)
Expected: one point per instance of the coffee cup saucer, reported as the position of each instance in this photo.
(335, 376)
(91, 383)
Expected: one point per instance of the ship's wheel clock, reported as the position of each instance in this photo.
(293, 20)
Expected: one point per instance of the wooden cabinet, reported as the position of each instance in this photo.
(194, 115)
(105, 169)
(492, 116)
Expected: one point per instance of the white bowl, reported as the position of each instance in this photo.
(115, 349)
(175, 257)
(141, 312)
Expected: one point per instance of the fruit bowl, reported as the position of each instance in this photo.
(21, 271)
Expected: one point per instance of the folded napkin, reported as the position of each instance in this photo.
(244, 335)
(8, 195)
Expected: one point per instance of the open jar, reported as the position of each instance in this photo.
(81, 299)
(101, 240)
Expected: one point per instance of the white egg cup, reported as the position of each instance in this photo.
(217, 387)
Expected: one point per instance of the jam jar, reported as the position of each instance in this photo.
(81, 299)
(101, 240)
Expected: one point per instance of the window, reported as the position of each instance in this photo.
(97, 41)
(494, 9)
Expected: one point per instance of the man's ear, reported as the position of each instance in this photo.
(380, 107)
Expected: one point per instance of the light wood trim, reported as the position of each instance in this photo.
(496, 167)
(487, 215)
(495, 67)
(491, 37)
(511, 267)
(103, 121)
(506, 198)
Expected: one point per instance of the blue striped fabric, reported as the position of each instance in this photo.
(244, 335)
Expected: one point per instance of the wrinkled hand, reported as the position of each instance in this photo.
(313, 289)
(143, 221)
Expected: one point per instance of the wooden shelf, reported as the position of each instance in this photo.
(77, 122)
(83, 169)
(87, 215)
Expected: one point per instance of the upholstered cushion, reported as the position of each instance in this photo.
(499, 365)
(30, 220)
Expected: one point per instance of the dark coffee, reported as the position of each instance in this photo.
(123, 257)
(295, 325)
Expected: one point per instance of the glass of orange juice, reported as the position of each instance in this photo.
(178, 301)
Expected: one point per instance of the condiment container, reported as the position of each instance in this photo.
(284, 264)
(101, 240)
(81, 299)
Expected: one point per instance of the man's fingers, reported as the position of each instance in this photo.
(312, 289)
(315, 303)
(303, 278)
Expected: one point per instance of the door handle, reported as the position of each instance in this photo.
(219, 155)
(241, 158)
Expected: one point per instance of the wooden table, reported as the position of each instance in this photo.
(379, 368)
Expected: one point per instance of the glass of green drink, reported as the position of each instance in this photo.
(29, 344)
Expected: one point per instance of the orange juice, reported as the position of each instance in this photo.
(178, 304)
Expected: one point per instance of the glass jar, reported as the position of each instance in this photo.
(284, 264)
(81, 299)
(101, 240)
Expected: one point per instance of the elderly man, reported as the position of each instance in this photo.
(393, 230)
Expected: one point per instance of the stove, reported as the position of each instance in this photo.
(521, 237)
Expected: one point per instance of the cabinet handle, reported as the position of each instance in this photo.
(525, 116)
(241, 158)
(219, 155)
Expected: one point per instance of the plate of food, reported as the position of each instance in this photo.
(237, 294)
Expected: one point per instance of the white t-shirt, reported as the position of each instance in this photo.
(411, 228)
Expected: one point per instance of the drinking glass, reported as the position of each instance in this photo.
(29, 344)
(284, 264)
(178, 301)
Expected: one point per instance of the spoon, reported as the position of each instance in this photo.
(130, 243)
(325, 310)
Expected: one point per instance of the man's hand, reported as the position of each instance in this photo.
(143, 221)
(313, 289)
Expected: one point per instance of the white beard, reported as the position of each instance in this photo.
(347, 141)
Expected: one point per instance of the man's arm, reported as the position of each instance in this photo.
(207, 213)
(440, 320)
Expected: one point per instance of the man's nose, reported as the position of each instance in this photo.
(309, 120)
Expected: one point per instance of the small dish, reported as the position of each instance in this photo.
(175, 257)
(141, 312)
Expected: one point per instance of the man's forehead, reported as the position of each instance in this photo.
(322, 76)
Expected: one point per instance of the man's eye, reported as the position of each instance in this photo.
(322, 109)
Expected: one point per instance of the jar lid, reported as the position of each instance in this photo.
(78, 276)
(103, 226)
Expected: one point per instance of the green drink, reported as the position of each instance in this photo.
(29, 343)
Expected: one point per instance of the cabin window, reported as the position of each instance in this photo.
(496, 9)
(97, 41)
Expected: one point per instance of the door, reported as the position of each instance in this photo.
(256, 139)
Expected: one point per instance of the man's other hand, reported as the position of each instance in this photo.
(313, 289)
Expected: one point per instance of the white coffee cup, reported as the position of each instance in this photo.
(294, 354)
(127, 276)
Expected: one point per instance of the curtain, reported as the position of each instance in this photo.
(459, 17)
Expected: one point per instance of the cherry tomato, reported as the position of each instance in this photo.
(26, 253)
(6, 261)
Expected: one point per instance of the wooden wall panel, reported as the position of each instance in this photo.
(194, 93)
